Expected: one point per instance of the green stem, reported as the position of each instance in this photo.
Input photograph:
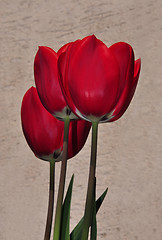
(91, 183)
(50, 201)
(57, 225)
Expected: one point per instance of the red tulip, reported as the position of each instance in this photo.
(44, 133)
(98, 82)
(47, 83)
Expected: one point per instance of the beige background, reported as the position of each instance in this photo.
(129, 150)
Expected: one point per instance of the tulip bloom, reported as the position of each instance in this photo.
(47, 83)
(44, 133)
(98, 82)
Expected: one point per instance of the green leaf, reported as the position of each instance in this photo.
(100, 200)
(94, 229)
(77, 231)
(65, 229)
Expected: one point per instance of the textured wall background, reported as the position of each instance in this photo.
(129, 150)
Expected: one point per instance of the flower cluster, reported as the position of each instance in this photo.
(83, 84)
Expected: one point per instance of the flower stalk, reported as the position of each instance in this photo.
(91, 184)
(50, 201)
(57, 225)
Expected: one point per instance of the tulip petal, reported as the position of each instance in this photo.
(123, 52)
(62, 68)
(92, 75)
(125, 57)
(137, 67)
(63, 49)
(42, 131)
(78, 133)
(46, 79)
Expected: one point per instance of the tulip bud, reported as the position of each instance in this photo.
(98, 82)
(44, 133)
(47, 83)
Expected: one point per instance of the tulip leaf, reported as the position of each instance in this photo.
(65, 229)
(94, 228)
(77, 231)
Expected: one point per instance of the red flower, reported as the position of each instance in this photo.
(44, 133)
(47, 83)
(98, 82)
